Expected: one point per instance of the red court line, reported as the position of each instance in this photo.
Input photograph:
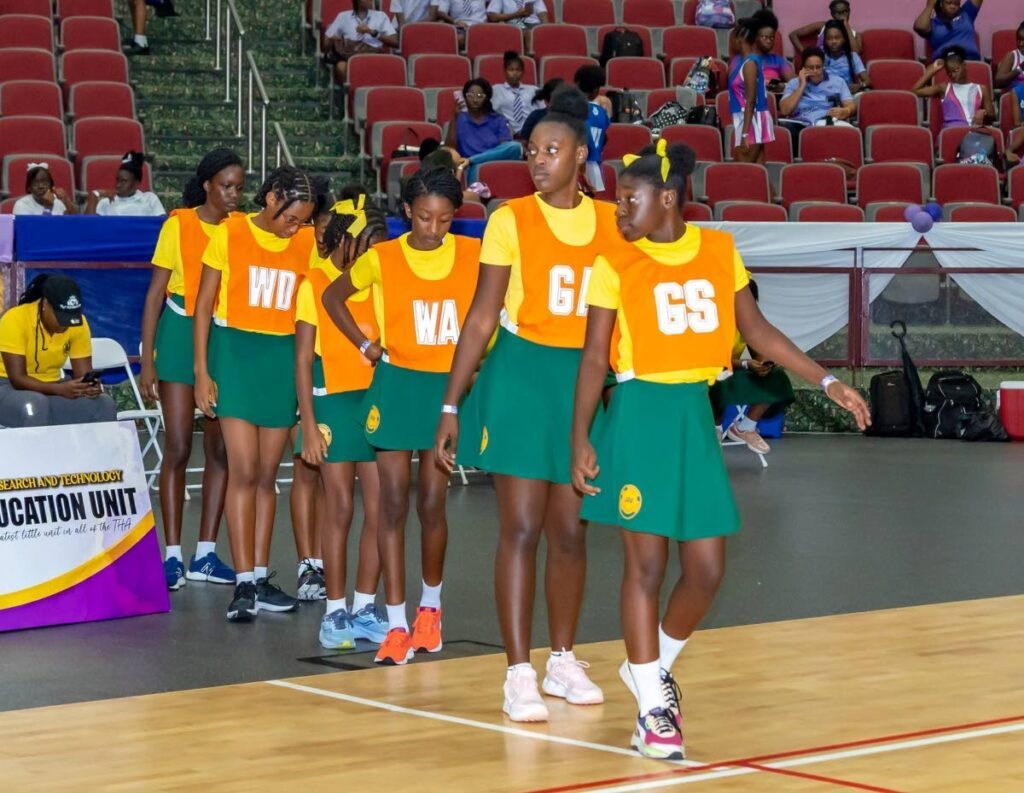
(818, 778)
(781, 755)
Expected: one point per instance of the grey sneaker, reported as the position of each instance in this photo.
(311, 585)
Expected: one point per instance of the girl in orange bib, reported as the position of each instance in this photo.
(664, 309)
(422, 284)
(167, 363)
(252, 269)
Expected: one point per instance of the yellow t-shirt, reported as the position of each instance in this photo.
(216, 256)
(500, 245)
(167, 254)
(604, 292)
(305, 300)
(428, 265)
(21, 333)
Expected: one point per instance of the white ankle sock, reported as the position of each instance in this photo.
(173, 552)
(647, 678)
(746, 425)
(431, 597)
(261, 573)
(334, 605)
(668, 649)
(397, 617)
(245, 578)
(514, 667)
(205, 549)
(318, 563)
(141, 40)
(360, 600)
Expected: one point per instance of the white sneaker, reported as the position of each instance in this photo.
(566, 677)
(522, 699)
(669, 691)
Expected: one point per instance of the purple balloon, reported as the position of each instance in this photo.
(922, 222)
(911, 211)
(933, 209)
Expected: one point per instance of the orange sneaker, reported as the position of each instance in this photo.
(396, 649)
(426, 630)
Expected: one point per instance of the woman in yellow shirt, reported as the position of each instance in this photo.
(665, 309)
(167, 361)
(245, 371)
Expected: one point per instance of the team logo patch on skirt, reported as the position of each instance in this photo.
(630, 502)
(326, 432)
(483, 441)
(372, 419)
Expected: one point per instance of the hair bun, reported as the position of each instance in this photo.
(569, 101)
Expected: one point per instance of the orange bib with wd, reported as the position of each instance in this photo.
(345, 369)
(423, 318)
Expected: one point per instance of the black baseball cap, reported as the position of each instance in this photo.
(64, 296)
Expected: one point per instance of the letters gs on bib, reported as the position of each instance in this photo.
(686, 306)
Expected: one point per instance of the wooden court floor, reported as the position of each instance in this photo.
(916, 699)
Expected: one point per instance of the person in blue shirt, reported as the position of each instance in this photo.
(477, 132)
(590, 79)
(947, 23)
(840, 59)
(814, 97)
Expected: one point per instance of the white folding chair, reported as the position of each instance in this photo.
(741, 412)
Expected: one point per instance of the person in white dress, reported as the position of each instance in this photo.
(363, 29)
(42, 197)
(126, 198)
(408, 11)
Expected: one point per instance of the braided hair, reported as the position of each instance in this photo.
(433, 181)
(846, 46)
(337, 232)
(291, 186)
(194, 194)
(647, 167)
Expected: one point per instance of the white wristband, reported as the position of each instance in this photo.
(453, 409)
(364, 346)
(828, 380)
(745, 364)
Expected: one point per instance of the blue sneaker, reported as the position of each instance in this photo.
(336, 631)
(174, 574)
(209, 568)
(370, 623)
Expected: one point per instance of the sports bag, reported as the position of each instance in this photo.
(951, 396)
(891, 410)
(715, 14)
(621, 42)
(702, 77)
(977, 148)
(669, 114)
(625, 107)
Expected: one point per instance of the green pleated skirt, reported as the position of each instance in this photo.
(340, 417)
(402, 407)
(173, 354)
(746, 388)
(255, 376)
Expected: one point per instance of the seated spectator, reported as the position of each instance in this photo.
(461, 13)
(126, 198)
(514, 99)
(37, 336)
(525, 14)
(963, 103)
(947, 23)
(777, 70)
(758, 384)
(362, 29)
(840, 59)
(477, 132)
(433, 154)
(815, 98)
(1015, 145)
(43, 198)
(840, 11)
(408, 11)
(590, 80)
(1011, 68)
(543, 99)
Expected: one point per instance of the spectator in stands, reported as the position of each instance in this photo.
(461, 13)
(433, 154)
(363, 29)
(477, 132)
(590, 80)
(840, 11)
(514, 99)
(748, 95)
(1011, 68)
(963, 103)
(815, 97)
(777, 70)
(138, 44)
(840, 59)
(37, 336)
(1015, 145)
(42, 197)
(408, 11)
(947, 23)
(541, 99)
(526, 14)
(126, 198)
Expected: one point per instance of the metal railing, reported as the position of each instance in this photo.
(283, 152)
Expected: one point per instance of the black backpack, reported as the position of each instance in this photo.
(621, 42)
(896, 396)
(625, 108)
(951, 397)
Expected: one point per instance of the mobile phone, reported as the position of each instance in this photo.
(92, 377)
(460, 100)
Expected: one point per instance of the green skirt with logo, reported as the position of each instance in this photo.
(255, 376)
(402, 407)
(173, 352)
(661, 467)
(517, 418)
(340, 417)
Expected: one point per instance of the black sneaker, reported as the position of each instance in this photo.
(243, 606)
(134, 48)
(270, 597)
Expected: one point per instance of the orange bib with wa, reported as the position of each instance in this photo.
(192, 242)
(682, 316)
(555, 275)
(423, 318)
(262, 284)
(345, 369)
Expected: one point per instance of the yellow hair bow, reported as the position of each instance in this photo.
(355, 207)
(661, 150)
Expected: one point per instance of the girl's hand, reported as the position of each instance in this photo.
(584, 467)
(374, 353)
(937, 64)
(314, 444)
(206, 394)
(148, 382)
(446, 441)
(850, 400)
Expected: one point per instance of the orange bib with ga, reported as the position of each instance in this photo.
(423, 318)
(680, 316)
(555, 275)
(345, 369)
(262, 284)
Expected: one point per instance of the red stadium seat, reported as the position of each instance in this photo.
(736, 181)
(750, 212)
(653, 13)
(1006, 113)
(689, 12)
(962, 183)
(421, 38)
(886, 212)
(829, 213)
(507, 179)
(559, 40)
(387, 137)
(894, 75)
(779, 150)
(492, 69)
(610, 182)
(889, 182)
(1003, 41)
(15, 169)
(99, 172)
(951, 138)
(36, 8)
(438, 71)
(31, 98)
(890, 43)
(441, 104)
(1015, 186)
(899, 143)
(81, 66)
(104, 135)
(819, 144)
(589, 13)
(705, 141)
(813, 181)
(90, 33)
(491, 39)
(113, 100)
(643, 32)
(7, 205)
(888, 107)
(31, 134)
(625, 139)
(367, 70)
(696, 212)
(639, 74)
(390, 103)
(982, 213)
(84, 8)
(26, 30)
(24, 63)
(679, 68)
(563, 66)
(470, 211)
(689, 42)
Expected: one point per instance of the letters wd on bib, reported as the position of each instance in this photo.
(77, 537)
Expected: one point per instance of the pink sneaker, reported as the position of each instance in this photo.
(658, 736)
(752, 439)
